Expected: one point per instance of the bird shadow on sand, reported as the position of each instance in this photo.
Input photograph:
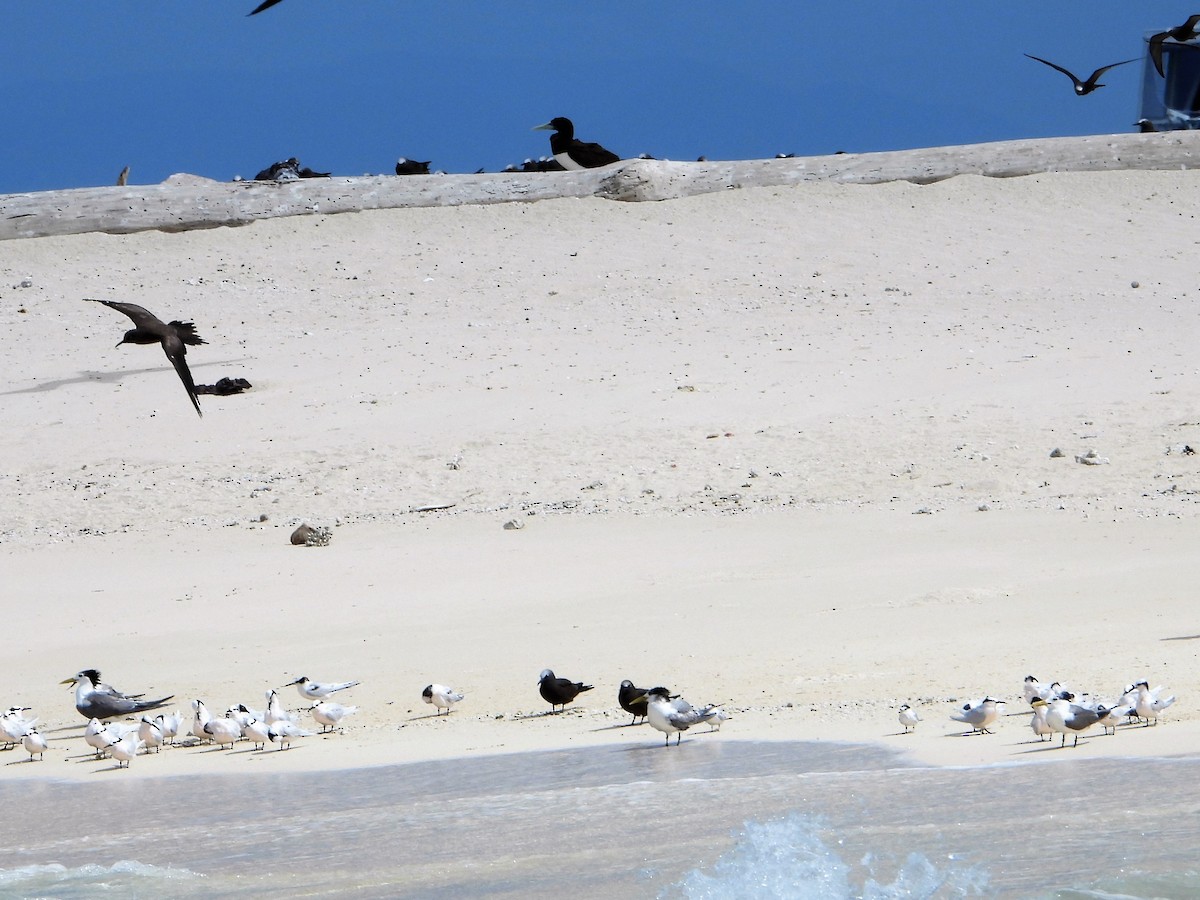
(545, 713)
(1183, 637)
(114, 376)
(617, 727)
(422, 717)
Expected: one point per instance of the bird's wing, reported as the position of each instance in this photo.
(601, 154)
(1103, 69)
(1156, 51)
(1053, 66)
(175, 351)
(141, 316)
(266, 4)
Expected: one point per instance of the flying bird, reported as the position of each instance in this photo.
(1184, 32)
(95, 699)
(571, 152)
(559, 691)
(173, 336)
(1083, 88)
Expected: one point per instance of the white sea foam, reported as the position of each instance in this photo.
(122, 878)
(787, 858)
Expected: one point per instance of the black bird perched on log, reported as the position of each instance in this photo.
(559, 691)
(405, 166)
(571, 152)
(173, 336)
(1184, 32)
(1082, 88)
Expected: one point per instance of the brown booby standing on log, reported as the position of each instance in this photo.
(173, 336)
(571, 152)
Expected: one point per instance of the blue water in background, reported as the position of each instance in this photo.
(709, 819)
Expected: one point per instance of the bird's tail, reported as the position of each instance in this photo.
(187, 333)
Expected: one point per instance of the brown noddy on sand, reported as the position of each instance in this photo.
(173, 336)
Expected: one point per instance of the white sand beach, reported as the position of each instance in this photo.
(783, 448)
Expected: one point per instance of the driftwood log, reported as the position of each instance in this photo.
(185, 202)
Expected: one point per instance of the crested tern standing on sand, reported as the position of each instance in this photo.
(257, 732)
(150, 734)
(126, 749)
(908, 717)
(1037, 721)
(1149, 702)
(673, 717)
(14, 726)
(35, 744)
(559, 691)
(329, 714)
(95, 699)
(281, 733)
(174, 337)
(442, 696)
(979, 715)
(1066, 718)
(318, 690)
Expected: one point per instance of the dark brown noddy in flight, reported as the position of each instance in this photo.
(266, 4)
(559, 691)
(1184, 32)
(1083, 88)
(150, 329)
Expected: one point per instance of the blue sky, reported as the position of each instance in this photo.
(87, 87)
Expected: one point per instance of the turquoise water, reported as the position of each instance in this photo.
(709, 819)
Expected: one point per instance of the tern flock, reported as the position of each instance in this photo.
(1053, 710)
(1057, 710)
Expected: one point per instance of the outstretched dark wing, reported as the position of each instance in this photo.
(142, 317)
(176, 353)
(266, 4)
(1047, 62)
(1096, 75)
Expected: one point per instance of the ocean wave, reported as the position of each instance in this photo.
(788, 858)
